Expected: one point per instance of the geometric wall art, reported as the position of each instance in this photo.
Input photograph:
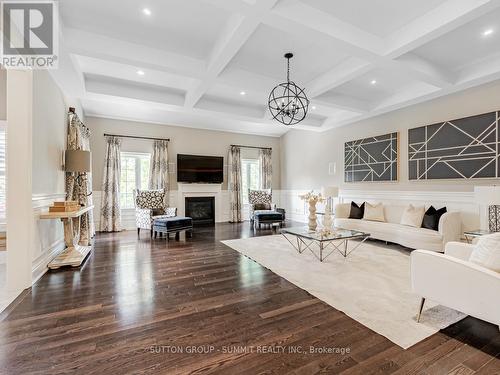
(373, 159)
(465, 148)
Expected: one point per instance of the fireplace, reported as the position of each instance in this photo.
(201, 210)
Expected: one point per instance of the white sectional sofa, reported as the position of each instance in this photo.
(450, 228)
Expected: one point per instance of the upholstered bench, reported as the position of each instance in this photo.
(174, 224)
(268, 217)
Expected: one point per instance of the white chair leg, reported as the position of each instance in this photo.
(422, 302)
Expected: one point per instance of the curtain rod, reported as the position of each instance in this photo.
(262, 148)
(136, 137)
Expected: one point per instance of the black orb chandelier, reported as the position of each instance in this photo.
(288, 103)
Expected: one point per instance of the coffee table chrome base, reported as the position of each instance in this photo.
(342, 247)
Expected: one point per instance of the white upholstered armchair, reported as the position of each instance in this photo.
(453, 281)
(149, 205)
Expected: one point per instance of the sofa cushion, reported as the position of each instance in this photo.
(261, 206)
(268, 216)
(411, 237)
(374, 212)
(486, 253)
(357, 212)
(431, 218)
(412, 216)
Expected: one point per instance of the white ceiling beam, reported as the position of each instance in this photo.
(435, 23)
(423, 70)
(350, 38)
(442, 19)
(340, 74)
(344, 102)
(67, 75)
(306, 21)
(237, 31)
(239, 7)
(84, 43)
(476, 75)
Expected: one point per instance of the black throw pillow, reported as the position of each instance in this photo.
(431, 218)
(357, 212)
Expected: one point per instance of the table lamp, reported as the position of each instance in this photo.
(78, 161)
(329, 192)
(490, 196)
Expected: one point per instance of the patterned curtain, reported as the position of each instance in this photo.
(266, 168)
(235, 185)
(158, 171)
(79, 139)
(110, 204)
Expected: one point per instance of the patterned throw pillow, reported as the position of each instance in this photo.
(260, 196)
(150, 199)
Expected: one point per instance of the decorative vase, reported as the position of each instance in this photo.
(327, 219)
(312, 215)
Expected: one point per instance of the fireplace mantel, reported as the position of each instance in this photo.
(200, 190)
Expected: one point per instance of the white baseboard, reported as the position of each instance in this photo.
(49, 236)
(39, 266)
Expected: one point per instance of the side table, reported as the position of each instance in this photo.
(74, 254)
(470, 235)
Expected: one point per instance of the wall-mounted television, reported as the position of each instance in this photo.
(200, 169)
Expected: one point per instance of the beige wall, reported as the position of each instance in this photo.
(305, 156)
(182, 141)
(49, 134)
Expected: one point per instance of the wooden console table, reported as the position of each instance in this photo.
(74, 254)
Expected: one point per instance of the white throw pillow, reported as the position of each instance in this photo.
(413, 216)
(374, 212)
(487, 252)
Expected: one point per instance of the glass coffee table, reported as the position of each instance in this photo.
(471, 234)
(336, 239)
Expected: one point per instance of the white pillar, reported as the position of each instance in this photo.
(20, 228)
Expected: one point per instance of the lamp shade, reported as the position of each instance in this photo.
(330, 191)
(77, 161)
(487, 195)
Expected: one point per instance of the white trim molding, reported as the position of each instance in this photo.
(454, 201)
(48, 239)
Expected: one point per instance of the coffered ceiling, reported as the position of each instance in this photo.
(212, 63)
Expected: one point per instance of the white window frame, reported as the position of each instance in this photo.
(259, 182)
(138, 157)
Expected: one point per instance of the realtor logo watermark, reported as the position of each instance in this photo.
(30, 34)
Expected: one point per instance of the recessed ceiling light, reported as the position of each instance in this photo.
(487, 32)
(313, 107)
(141, 72)
(243, 93)
(146, 11)
(373, 82)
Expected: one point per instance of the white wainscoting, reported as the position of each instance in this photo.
(175, 198)
(48, 241)
(454, 201)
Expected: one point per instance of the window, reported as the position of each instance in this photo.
(250, 176)
(134, 175)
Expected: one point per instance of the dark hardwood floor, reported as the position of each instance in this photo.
(140, 306)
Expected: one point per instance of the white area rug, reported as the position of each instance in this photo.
(372, 285)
